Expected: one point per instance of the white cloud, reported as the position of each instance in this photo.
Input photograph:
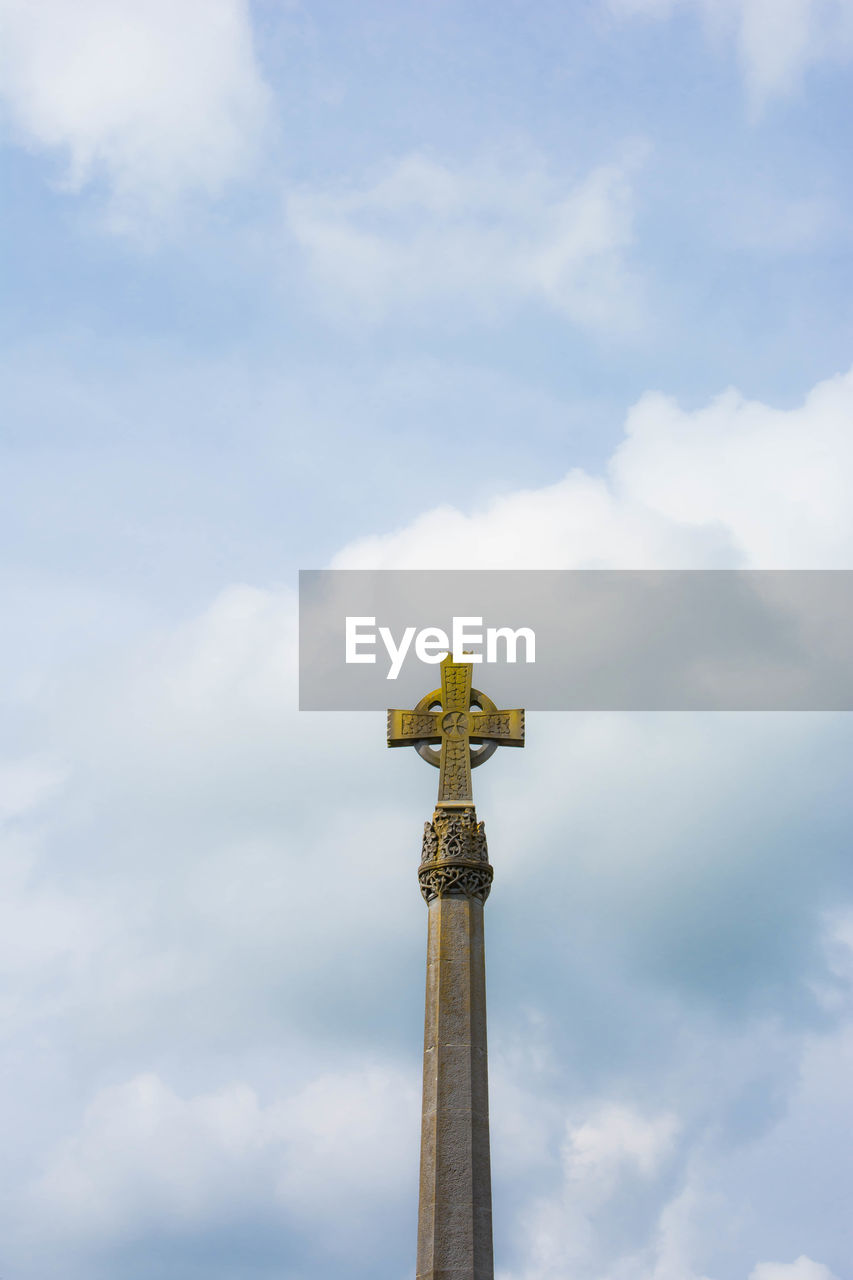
(614, 1139)
(580, 522)
(674, 1238)
(144, 1155)
(835, 991)
(478, 237)
(156, 98)
(802, 1269)
(26, 783)
(777, 479)
(615, 1144)
(146, 1158)
(699, 1201)
(352, 1138)
(734, 484)
(776, 40)
(42, 930)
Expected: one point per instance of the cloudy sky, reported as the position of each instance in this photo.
(290, 285)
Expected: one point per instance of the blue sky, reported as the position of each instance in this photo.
(290, 285)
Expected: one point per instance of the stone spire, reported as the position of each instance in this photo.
(455, 1207)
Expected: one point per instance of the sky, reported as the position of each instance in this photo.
(302, 285)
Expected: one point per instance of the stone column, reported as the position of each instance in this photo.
(455, 1209)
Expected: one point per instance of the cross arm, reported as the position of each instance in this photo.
(505, 727)
(407, 728)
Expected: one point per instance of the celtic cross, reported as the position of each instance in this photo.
(463, 723)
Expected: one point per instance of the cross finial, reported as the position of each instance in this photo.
(454, 717)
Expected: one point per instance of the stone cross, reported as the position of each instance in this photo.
(455, 1203)
(455, 716)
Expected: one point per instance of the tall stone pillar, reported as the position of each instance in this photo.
(455, 1209)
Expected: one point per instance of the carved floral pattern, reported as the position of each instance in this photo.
(455, 859)
(496, 725)
(415, 725)
(453, 881)
(457, 685)
(456, 773)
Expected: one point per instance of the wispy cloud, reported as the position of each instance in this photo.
(776, 40)
(802, 1268)
(472, 239)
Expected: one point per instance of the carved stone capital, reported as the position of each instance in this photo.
(453, 836)
(455, 859)
(455, 880)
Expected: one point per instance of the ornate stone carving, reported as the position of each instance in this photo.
(414, 725)
(444, 880)
(456, 779)
(493, 726)
(455, 859)
(454, 836)
(457, 684)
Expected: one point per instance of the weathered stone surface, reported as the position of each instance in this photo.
(455, 1214)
